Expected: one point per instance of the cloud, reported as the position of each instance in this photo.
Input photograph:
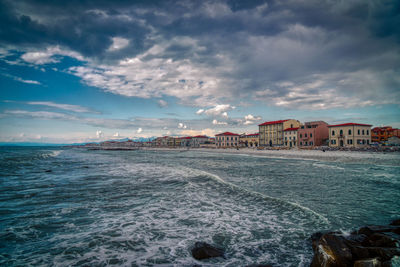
(99, 134)
(116, 134)
(207, 132)
(19, 79)
(215, 122)
(218, 110)
(49, 55)
(210, 52)
(181, 126)
(74, 108)
(118, 43)
(139, 130)
(162, 103)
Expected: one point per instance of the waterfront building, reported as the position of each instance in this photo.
(249, 140)
(290, 137)
(186, 141)
(382, 134)
(226, 139)
(314, 133)
(178, 141)
(349, 135)
(199, 140)
(271, 132)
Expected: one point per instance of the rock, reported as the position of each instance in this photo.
(368, 263)
(384, 254)
(48, 171)
(382, 240)
(202, 250)
(395, 222)
(331, 250)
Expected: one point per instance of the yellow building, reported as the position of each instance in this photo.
(226, 139)
(271, 133)
(249, 140)
(290, 137)
(349, 135)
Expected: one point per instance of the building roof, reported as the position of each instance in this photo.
(251, 134)
(226, 133)
(187, 137)
(291, 129)
(349, 124)
(385, 128)
(200, 136)
(272, 122)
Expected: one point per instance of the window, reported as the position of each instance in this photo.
(358, 132)
(290, 138)
(349, 131)
(367, 132)
(333, 142)
(305, 135)
(310, 134)
(367, 141)
(305, 143)
(341, 132)
(301, 143)
(363, 132)
(333, 132)
(285, 137)
(311, 143)
(301, 136)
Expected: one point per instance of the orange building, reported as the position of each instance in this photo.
(382, 134)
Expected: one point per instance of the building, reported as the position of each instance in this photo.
(349, 135)
(271, 132)
(290, 137)
(249, 140)
(314, 133)
(186, 141)
(382, 134)
(199, 140)
(226, 139)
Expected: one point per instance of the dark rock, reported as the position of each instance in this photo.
(331, 250)
(368, 263)
(369, 230)
(48, 171)
(202, 250)
(384, 254)
(359, 252)
(382, 240)
(395, 222)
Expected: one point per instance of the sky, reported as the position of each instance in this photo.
(87, 71)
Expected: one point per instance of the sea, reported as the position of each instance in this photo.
(78, 207)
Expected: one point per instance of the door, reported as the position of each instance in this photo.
(341, 142)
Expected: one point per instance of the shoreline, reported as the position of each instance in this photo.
(304, 154)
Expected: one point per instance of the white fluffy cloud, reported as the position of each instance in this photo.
(116, 134)
(215, 122)
(49, 55)
(217, 111)
(118, 43)
(99, 134)
(139, 130)
(182, 126)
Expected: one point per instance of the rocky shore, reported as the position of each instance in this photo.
(369, 246)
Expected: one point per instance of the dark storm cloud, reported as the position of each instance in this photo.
(327, 52)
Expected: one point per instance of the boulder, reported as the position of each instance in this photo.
(369, 246)
(202, 250)
(331, 250)
(368, 263)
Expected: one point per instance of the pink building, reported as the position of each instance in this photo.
(314, 133)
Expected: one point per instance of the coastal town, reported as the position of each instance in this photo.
(279, 134)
